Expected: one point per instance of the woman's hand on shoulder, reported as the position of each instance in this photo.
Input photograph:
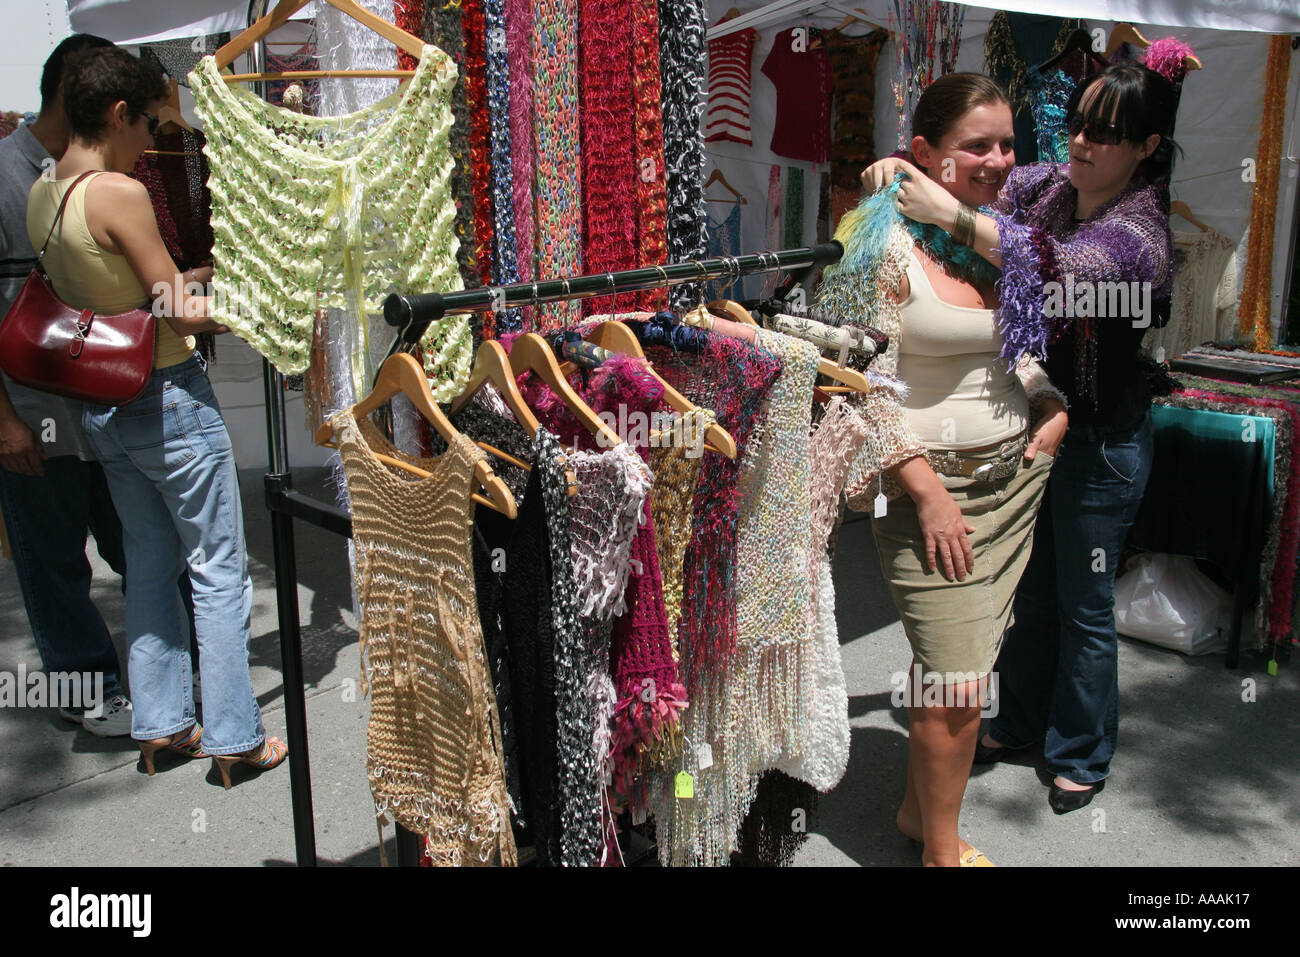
(882, 172)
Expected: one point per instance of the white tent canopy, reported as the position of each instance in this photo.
(149, 21)
(1269, 16)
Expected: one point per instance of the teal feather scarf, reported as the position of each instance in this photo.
(866, 232)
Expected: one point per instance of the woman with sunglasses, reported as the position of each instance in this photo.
(1066, 237)
(166, 454)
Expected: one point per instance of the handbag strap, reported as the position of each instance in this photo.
(62, 205)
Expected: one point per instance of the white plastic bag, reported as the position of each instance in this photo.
(1167, 601)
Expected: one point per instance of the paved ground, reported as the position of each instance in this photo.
(1202, 776)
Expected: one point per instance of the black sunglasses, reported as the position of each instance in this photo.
(1099, 132)
(153, 122)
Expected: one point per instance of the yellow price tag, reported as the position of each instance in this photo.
(684, 785)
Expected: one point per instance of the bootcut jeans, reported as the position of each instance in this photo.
(1058, 669)
(171, 469)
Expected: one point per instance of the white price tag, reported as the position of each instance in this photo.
(882, 505)
(703, 756)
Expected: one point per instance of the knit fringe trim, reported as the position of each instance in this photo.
(645, 733)
(458, 833)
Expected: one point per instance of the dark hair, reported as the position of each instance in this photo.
(98, 80)
(1139, 102)
(58, 61)
(948, 99)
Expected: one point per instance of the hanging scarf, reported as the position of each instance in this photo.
(480, 130)
(651, 194)
(682, 60)
(608, 160)
(505, 268)
(558, 150)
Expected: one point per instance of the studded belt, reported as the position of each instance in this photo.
(992, 463)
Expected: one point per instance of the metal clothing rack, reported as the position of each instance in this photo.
(411, 314)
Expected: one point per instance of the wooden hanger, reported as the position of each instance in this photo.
(1079, 41)
(616, 337)
(278, 17)
(1127, 33)
(1180, 208)
(717, 177)
(400, 373)
(531, 353)
(851, 379)
(169, 115)
(855, 18)
(492, 365)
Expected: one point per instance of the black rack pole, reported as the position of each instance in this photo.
(278, 481)
(415, 312)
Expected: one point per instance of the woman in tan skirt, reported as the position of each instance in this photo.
(962, 447)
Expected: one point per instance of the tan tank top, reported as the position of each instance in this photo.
(962, 396)
(84, 273)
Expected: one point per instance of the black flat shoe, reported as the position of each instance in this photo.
(1063, 801)
(987, 755)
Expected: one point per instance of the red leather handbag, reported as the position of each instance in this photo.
(46, 344)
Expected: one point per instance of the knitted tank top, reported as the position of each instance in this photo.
(433, 743)
(313, 212)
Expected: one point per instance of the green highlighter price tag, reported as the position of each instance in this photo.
(1272, 667)
(684, 785)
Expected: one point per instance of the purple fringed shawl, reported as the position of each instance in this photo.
(1126, 240)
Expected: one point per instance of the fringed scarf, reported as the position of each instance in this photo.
(651, 194)
(505, 267)
(557, 149)
(682, 62)
(608, 161)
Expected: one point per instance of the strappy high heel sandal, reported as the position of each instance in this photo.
(269, 755)
(189, 746)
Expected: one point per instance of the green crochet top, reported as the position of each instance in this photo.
(314, 212)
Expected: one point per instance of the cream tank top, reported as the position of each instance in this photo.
(961, 394)
(86, 275)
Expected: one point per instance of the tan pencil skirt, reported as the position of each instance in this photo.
(956, 627)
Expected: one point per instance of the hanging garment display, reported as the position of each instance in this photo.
(480, 134)
(557, 146)
(823, 754)
(310, 212)
(608, 147)
(175, 173)
(1257, 279)
(681, 61)
(443, 26)
(1013, 45)
(1048, 94)
(1202, 261)
(505, 263)
(853, 108)
(433, 741)
(800, 70)
(926, 47)
(651, 173)
(729, 82)
(519, 30)
(612, 490)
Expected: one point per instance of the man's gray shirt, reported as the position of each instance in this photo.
(56, 421)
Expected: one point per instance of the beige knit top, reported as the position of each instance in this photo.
(433, 753)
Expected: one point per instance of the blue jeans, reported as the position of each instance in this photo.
(47, 517)
(171, 469)
(1058, 670)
